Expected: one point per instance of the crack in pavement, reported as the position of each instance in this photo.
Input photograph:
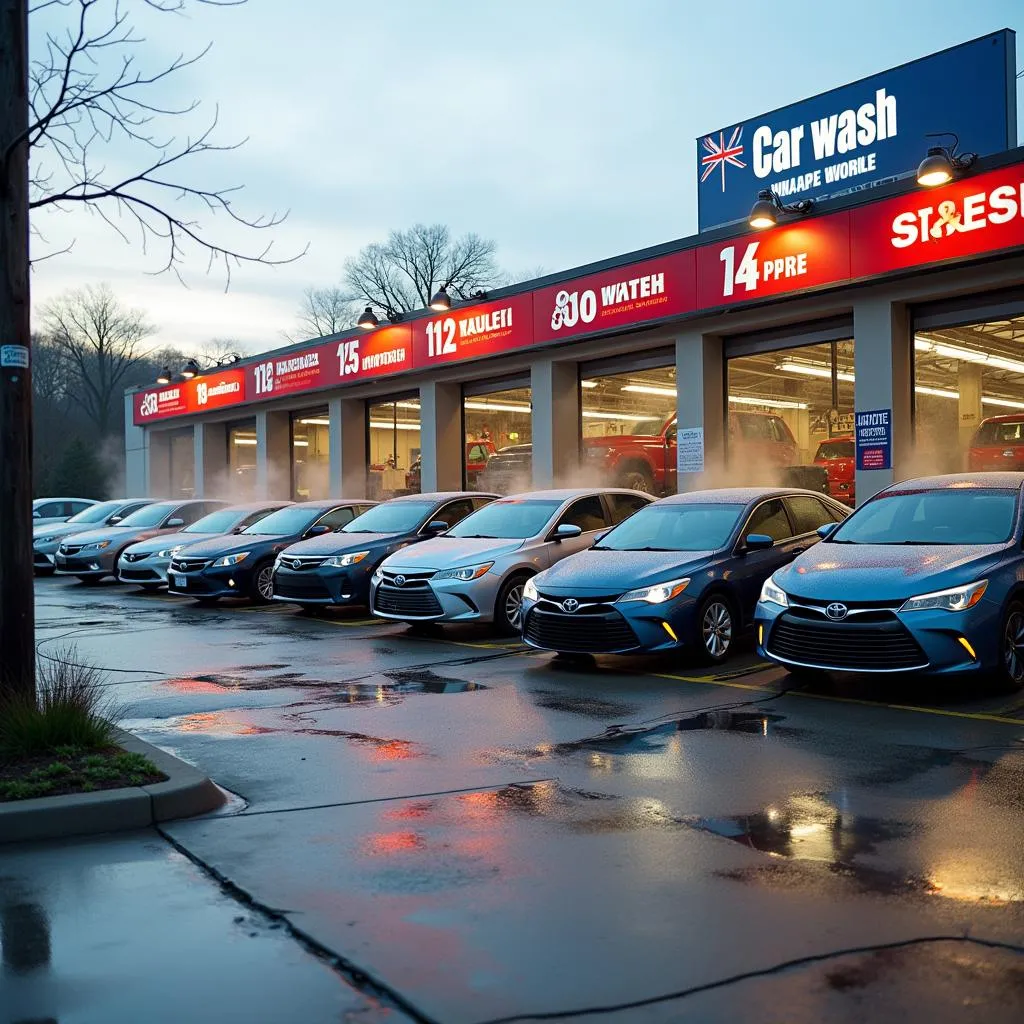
(785, 965)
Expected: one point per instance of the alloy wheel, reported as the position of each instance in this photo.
(265, 582)
(514, 605)
(1013, 646)
(638, 482)
(716, 629)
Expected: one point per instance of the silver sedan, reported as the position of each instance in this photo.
(476, 571)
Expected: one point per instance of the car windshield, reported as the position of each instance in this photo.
(508, 519)
(834, 450)
(285, 521)
(221, 521)
(97, 513)
(391, 517)
(645, 428)
(955, 515)
(1000, 432)
(674, 527)
(150, 515)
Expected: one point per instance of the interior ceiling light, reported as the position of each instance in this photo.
(588, 383)
(384, 425)
(244, 440)
(367, 320)
(942, 163)
(1005, 403)
(316, 422)
(299, 443)
(774, 403)
(587, 414)
(496, 407)
(967, 355)
(648, 389)
(814, 370)
(924, 389)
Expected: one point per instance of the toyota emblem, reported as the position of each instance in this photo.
(836, 610)
(399, 581)
(570, 605)
(297, 564)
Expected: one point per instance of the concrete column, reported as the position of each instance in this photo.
(211, 460)
(347, 443)
(968, 378)
(441, 437)
(883, 362)
(700, 389)
(136, 456)
(273, 455)
(555, 394)
(158, 464)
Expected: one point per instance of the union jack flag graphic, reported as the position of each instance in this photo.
(720, 153)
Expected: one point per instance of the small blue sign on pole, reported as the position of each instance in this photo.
(862, 134)
(874, 439)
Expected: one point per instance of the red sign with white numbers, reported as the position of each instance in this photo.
(468, 331)
(200, 394)
(624, 297)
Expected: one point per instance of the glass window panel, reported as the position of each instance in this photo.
(311, 454)
(498, 424)
(241, 484)
(394, 456)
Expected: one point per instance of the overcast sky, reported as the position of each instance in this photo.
(562, 129)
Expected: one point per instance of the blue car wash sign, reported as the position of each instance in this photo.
(874, 439)
(862, 134)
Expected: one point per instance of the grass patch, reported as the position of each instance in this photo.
(76, 772)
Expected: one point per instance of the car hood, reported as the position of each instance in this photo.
(168, 540)
(339, 543)
(451, 552)
(884, 572)
(117, 535)
(599, 573)
(232, 543)
(57, 531)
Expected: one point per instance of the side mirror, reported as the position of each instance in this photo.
(437, 527)
(566, 532)
(176, 522)
(758, 542)
(114, 520)
(317, 531)
(826, 531)
(601, 536)
(35, 514)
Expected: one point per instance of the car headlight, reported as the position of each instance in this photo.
(227, 560)
(466, 573)
(530, 590)
(658, 594)
(342, 561)
(98, 545)
(772, 593)
(957, 599)
(169, 552)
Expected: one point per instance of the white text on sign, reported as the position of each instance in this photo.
(751, 271)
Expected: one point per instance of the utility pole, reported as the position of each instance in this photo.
(17, 600)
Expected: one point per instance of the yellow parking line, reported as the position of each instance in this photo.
(978, 716)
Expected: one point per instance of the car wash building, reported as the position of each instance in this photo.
(853, 301)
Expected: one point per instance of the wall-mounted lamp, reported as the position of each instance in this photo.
(765, 212)
(367, 320)
(190, 370)
(164, 376)
(943, 163)
(441, 302)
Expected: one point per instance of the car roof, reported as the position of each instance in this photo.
(63, 497)
(1006, 417)
(255, 506)
(959, 481)
(565, 493)
(733, 495)
(326, 503)
(443, 496)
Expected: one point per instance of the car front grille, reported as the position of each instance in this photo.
(189, 564)
(875, 641)
(140, 576)
(584, 632)
(300, 563)
(415, 598)
(70, 549)
(305, 587)
(132, 557)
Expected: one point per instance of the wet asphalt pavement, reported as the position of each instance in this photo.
(452, 828)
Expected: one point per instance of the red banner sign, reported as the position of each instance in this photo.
(978, 215)
(466, 332)
(623, 297)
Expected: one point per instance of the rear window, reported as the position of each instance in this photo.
(834, 450)
(1000, 432)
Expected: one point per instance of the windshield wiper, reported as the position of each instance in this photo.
(478, 536)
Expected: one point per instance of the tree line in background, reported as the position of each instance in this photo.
(89, 347)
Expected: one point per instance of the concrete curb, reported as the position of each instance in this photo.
(186, 792)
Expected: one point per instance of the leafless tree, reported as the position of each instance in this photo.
(101, 135)
(324, 311)
(101, 342)
(404, 272)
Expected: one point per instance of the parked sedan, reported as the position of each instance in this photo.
(242, 564)
(58, 510)
(148, 562)
(682, 574)
(923, 578)
(336, 569)
(92, 556)
(477, 571)
(46, 539)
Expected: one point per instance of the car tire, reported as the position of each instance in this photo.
(508, 608)
(262, 586)
(637, 478)
(1009, 675)
(715, 629)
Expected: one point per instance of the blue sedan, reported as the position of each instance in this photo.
(927, 577)
(684, 573)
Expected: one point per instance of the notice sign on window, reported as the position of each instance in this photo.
(690, 450)
(874, 439)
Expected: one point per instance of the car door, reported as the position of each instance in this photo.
(808, 515)
(624, 505)
(452, 512)
(752, 568)
(589, 515)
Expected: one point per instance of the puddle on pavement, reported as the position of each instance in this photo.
(580, 704)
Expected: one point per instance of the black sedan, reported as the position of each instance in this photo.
(336, 569)
(683, 574)
(242, 564)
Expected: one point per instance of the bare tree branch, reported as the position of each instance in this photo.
(324, 311)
